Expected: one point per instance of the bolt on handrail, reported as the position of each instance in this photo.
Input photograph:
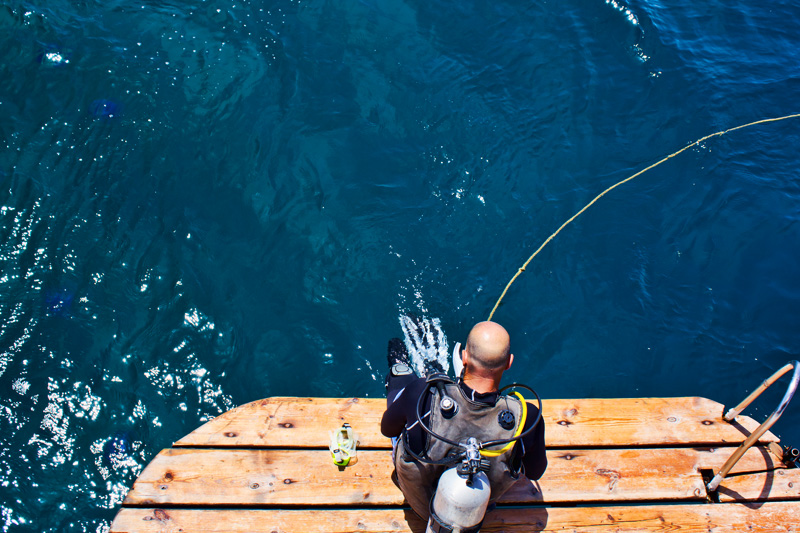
(764, 427)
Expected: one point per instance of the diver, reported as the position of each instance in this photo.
(473, 406)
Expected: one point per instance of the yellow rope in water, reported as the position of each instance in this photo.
(579, 213)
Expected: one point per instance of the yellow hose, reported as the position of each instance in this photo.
(495, 453)
(579, 213)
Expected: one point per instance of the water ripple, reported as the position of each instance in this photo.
(196, 201)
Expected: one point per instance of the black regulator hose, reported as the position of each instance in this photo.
(419, 412)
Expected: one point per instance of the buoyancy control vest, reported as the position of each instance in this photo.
(418, 480)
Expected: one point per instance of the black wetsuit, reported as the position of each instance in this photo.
(402, 396)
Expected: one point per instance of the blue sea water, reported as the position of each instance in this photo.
(204, 203)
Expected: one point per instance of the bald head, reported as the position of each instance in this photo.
(489, 346)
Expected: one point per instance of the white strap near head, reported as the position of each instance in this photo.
(458, 364)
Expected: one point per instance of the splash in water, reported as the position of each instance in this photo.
(426, 344)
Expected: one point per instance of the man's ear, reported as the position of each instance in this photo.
(510, 360)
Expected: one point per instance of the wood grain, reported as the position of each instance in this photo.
(305, 423)
(690, 421)
(776, 485)
(771, 517)
(288, 422)
(254, 477)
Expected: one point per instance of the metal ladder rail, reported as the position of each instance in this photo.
(764, 427)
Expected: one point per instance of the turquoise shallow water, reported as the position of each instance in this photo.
(206, 203)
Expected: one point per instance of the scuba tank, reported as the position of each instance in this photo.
(461, 497)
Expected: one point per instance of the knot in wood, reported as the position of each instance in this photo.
(708, 422)
(231, 434)
(612, 475)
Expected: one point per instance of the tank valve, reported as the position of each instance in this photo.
(448, 407)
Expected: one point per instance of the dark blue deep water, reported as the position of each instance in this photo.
(203, 203)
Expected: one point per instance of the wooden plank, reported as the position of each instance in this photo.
(643, 422)
(756, 459)
(254, 477)
(709, 518)
(777, 485)
(263, 477)
(305, 423)
(292, 422)
(632, 474)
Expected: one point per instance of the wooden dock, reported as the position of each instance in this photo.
(615, 465)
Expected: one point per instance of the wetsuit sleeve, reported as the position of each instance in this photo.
(401, 401)
(535, 459)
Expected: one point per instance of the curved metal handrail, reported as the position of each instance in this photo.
(764, 427)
